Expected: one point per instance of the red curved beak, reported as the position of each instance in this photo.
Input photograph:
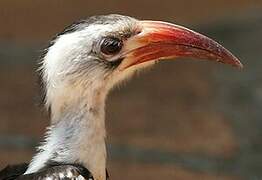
(161, 40)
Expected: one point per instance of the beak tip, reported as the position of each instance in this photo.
(229, 58)
(238, 64)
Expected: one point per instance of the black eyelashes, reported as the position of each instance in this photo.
(111, 45)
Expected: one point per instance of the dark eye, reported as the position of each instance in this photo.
(111, 45)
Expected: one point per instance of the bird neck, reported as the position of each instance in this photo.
(77, 132)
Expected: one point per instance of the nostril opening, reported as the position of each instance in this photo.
(137, 31)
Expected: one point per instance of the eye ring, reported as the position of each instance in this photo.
(111, 45)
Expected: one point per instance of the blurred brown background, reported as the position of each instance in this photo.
(184, 119)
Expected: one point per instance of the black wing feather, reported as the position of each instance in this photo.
(54, 172)
(13, 172)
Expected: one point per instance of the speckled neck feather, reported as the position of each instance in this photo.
(77, 135)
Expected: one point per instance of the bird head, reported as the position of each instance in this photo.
(101, 51)
(87, 59)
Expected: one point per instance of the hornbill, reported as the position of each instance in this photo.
(80, 67)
